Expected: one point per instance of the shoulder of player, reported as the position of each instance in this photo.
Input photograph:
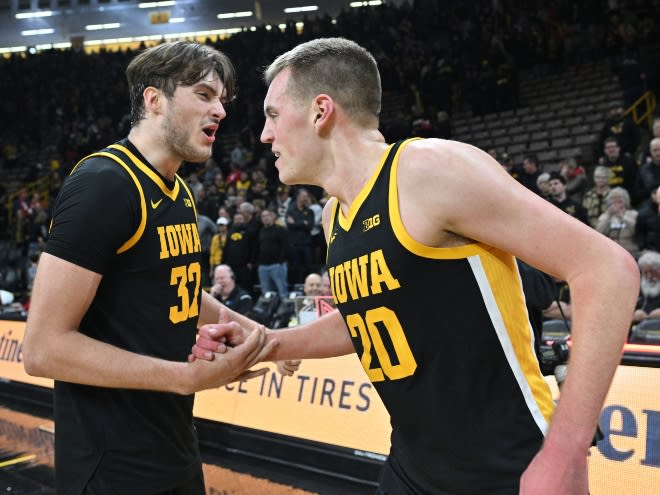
(437, 155)
(101, 168)
(443, 163)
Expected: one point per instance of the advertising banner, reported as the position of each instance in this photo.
(331, 401)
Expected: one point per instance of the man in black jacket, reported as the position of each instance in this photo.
(228, 292)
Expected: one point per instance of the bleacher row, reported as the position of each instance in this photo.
(560, 117)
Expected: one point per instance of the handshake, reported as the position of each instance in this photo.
(225, 352)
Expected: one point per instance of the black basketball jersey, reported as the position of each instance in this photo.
(116, 215)
(443, 334)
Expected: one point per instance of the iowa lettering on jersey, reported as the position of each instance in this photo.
(178, 240)
(361, 277)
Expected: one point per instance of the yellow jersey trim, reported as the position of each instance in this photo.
(143, 203)
(345, 222)
(497, 274)
(170, 193)
(415, 247)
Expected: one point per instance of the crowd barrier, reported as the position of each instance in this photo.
(330, 404)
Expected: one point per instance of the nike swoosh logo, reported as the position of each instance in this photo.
(154, 204)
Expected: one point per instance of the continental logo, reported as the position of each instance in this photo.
(371, 222)
(361, 277)
(180, 239)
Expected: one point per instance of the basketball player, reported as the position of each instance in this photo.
(117, 297)
(421, 237)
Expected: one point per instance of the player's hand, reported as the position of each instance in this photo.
(288, 367)
(232, 365)
(553, 472)
(216, 337)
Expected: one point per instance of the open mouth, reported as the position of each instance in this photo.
(210, 131)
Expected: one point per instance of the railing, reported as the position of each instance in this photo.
(642, 109)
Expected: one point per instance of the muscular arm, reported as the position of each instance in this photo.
(325, 337)
(321, 338)
(53, 347)
(466, 195)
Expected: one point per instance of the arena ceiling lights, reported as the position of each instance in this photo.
(306, 8)
(233, 15)
(369, 3)
(35, 32)
(32, 15)
(96, 27)
(150, 5)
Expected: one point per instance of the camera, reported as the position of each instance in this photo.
(552, 356)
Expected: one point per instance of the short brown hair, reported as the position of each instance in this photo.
(338, 67)
(178, 63)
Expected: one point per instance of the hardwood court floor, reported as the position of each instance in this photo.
(26, 466)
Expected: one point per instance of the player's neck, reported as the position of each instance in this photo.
(354, 161)
(156, 154)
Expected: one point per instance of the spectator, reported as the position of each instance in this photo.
(207, 229)
(563, 202)
(655, 133)
(299, 221)
(618, 221)
(281, 204)
(243, 184)
(594, 198)
(228, 292)
(210, 201)
(543, 184)
(252, 222)
(623, 167)
(218, 243)
(223, 211)
(239, 155)
(239, 251)
(211, 170)
(507, 162)
(530, 173)
(195, 186)
(647, 227)
(313, 285)
(561, 308)
(259, 192)
(623, 129)
(272, 249)
(648, 304)
(307, 311)
(649, 173)
(318, 239)
(576, 179)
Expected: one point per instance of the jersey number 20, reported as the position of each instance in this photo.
(370, 336)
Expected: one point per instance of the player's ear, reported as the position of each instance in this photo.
(324, 108)
(153, 99)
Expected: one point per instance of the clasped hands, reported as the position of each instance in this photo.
(238, 349)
